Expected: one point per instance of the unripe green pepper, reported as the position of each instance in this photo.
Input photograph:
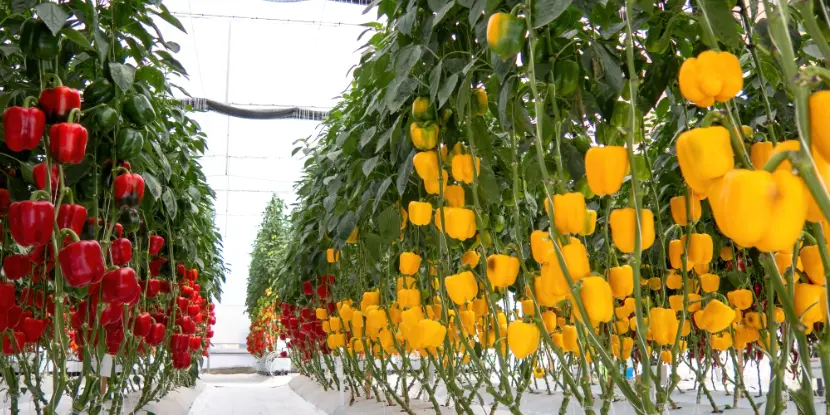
(566, 73)
(37, 41)
(129, 219)
(505, 34)
(139, 110)
(98, 92)
(128, 143)
(422, 109)
(102, 120)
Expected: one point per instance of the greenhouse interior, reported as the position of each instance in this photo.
(414, 206)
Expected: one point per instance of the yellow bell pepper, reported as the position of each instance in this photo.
(760, 153)
(726, 253)
(784, 260)
(655, 283)
(420, 213)
(715, 317)
(540, 246)
(432, 186)
(676, 249)
(461, 223)
(336, 340)
(479, 102)
(704, 154)
(665, 357)
(357, 320)
(569, 210)
(462, 288)
(470, 258)
(745, 335)
(538, 372)
(605, 169)
(819, 130)
(352, 239)
(813, 267)
(622, 350)
(741, 299)
(810, 303)
(722, 342)
(569, 339)
(623, 224)
(406, 282)
(502, 270)
(424, 135)
(528, 307)
(597, 298)
(522, 338)
(426, 165)
(335, 324)
(621, 325)
(454, 195)
(462, 168)
(622, 281)
(332, 255)
(590, 223)
(709, 282)
(700, 248)
(409, 263)
(321, 313)
(370, 298)
(756, 208)
(480, 306)
(409, 298)
(678, 209)
(674, 281)
(576, 261)
(663, 324)
(549, 319)
(712, 76)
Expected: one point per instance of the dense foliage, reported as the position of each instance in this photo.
(669, 145)
(93, 264)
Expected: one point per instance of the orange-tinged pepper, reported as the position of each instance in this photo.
(760, 209)
(621, 325)
(420, 213)
(605, 169)
(352, 239)
(409, 298)
(622, 281)
(462, 168)
(523, 339)
(623, 224)
(665, 357)
(454, 195)
(462, 287)
(704, 154)
(370, 298)
(502, 270)
(678, 209)
(722, 342)
(622, 350)
(480, 306)
(813, 267)
(470, 258)
(726, 253)
(409, 263)
(822, 172)
(784, 260)
(335, 324)
(712, 76)
(426, 165)
(709, 282)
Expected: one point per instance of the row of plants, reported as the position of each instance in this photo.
(530, 194)
(108, 243)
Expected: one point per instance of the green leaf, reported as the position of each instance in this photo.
(346, 225)
(406, 22)
(719, 16)
(329, 202)
(373, 244)
(53, 15)
(389, 224)
(367, 136)
(123, 75)
(440, 13)
(404, 172)
(152, 184)
(545, 11)
(446, 89)
(573, 160)
(101, 44)
(169, 18)
(169, 202)
(150, 75)
(381, 191)
(435, 81)
(405, 59)
(19, 6)
(640, 166)
(77, 37)
(369, 165)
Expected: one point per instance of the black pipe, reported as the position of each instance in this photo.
(204, 104)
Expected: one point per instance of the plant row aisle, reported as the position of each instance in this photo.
(109, 252)
(538, 193)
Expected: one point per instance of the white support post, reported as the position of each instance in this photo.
(339, 367)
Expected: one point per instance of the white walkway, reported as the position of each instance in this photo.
(249, 395)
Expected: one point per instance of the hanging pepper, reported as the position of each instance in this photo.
(72, 217)
(39, 174)
(17, 266)
(37, 41)
(58, 102)
(156, 243)
(67, 141)
(7, 299)
(129, 219)
(153, 287)
(82, 263)
(156, 266)
(98, 92)
(139, 110)
(121, 251)
(13, 343)
(120, 286)
(33, 328)
(112, 315)
(128, 143)
(23, 127)
(10, 319)
(505, 34)
(31, 222)
(156, 336)
(143, 325)
(129, 190)
(102, 120)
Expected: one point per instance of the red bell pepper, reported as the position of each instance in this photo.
(308, 290)
(72, 217)
(181, 360)
(179, 343)
(143, 324)
(212, 306)
(187, 292)
(67, 142)
(210, 334)
(197, 318)
(39, 174)
(31, 222)
(23, 127)
(155, 266)
(58, 102)
(153, 287)
(7, 298)
(156, 336)
(120, 286)
(17, 266)
(33, 328)
(121, 251)
(42, 255)
(182, 303)
(112, 315)
(5, 201)
(156, 243)
(193, 310)
(10, 319)
(181, 270)
(187, 325)
(13, 342)
(115, 337)
(128, 190)
(82, 263)
(193, 274)
(195, 342)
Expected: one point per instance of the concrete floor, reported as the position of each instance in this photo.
(249, 394)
